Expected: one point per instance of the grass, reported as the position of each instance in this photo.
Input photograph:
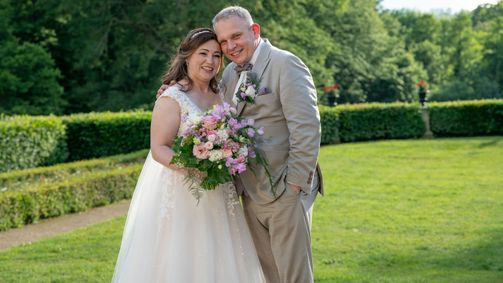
(394, 211)
(411, 211)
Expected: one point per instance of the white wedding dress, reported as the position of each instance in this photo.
(169, 237)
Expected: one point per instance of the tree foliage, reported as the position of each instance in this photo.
(110, 54)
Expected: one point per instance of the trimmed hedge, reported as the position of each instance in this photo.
(101, 188)
(96, 187)
(27, 141)
(467, 118)
(34, 141)
(362, 122)
(103, 134)
(21, 179)
(329, 119)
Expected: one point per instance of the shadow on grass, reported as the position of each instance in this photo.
(486, 255)
(492, 142)
(480, 261)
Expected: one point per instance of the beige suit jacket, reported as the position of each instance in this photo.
(287, 110)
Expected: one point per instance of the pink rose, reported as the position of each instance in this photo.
(227, 152)
(210, 122)
(208, 145)
(200, 151)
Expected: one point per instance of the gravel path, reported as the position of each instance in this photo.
(62, 224)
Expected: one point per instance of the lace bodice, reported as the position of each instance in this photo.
(189, 110)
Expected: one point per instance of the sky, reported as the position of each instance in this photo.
(430, 5)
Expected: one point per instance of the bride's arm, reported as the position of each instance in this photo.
(163, 130)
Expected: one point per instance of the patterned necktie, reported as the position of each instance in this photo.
(245, 67)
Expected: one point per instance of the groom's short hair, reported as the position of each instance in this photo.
(230, 11)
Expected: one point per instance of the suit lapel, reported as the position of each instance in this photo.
(263, 59)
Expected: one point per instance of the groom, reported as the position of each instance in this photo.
(285, 106)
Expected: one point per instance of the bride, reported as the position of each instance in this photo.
(168, 236)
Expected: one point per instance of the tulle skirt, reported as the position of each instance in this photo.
(170, 237)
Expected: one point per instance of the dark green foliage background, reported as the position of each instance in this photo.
(65, 56)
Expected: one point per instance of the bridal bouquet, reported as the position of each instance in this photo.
(219, 144)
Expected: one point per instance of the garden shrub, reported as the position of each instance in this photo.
(96, 135)
(379, 121)
(31, 141)
(103, 182)
(467, 118)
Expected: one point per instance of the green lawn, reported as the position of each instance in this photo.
(394, 211)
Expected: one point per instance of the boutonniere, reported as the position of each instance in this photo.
(248, 89)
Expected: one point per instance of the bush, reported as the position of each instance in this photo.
(21, 179)
(103, 134)
(379, 121)
(70, 188)
(101, 188)
(467, 118)
(329, 125)
(31, 141)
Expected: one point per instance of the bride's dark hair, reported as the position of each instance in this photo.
(177, 69)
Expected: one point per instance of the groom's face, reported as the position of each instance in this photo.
(237, 38)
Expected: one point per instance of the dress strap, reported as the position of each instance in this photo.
(176, 94)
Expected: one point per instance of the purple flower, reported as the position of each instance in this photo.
(249, 122)
(240, 167)
(251, 152)
(218, 112)
(250, 132)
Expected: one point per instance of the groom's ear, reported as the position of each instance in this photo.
(256, 29)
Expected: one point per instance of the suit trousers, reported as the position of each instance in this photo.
(280, 232)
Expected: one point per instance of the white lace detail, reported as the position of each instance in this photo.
(167, 199)
(231, 199)
(188, 108)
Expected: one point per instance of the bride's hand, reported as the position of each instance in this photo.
(177, 168)
(198, 174)
(189, 171)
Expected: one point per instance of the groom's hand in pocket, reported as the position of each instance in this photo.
(294, 188)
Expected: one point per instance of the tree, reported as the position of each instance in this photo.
(28, 76)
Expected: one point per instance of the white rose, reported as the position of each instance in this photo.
(250, 91)
(243, 151)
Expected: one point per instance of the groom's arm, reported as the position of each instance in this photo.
(299, 103)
